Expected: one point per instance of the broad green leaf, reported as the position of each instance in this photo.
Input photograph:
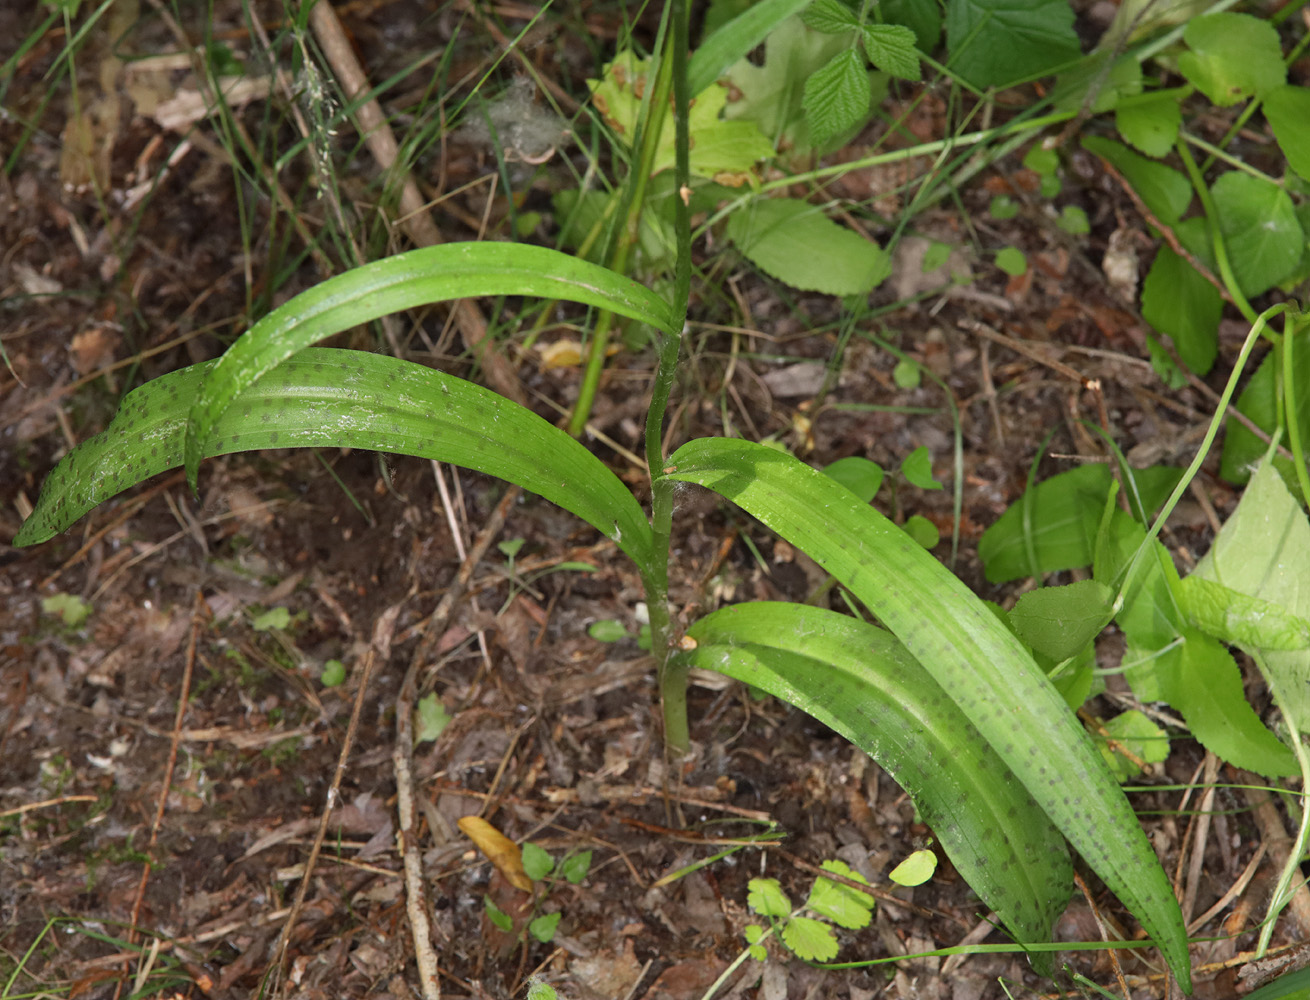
(1263, 551)
(890, 47)
(1057, 523)
(543, 927)
(844, 906)
(497, 916)
(1180, 664)
(1060, 621)
(331, 398)
(333, 675)
(837, 97)
(796, 243)
(1151, 126)
(537, 862)
(924, 19)
(915, 869)
(1099, 81)
(607, 630)
(271, 620)
(573, 869)
(1288, 111)
(972, 655)
(1241, 620)
(1263, 235)
(812, 940)
(1166, 191)
(830, 17)
(1260, 401)
(863, 683)
(735, 40)
(717, 146)
(765, 897)
(1137, 734)
(917, 468)
(859, 475)
(994, 43)
(1232, 57)
(1179, 302)
(1012, 261)
(922, 531)
(419, 277)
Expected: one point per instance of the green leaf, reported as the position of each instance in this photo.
(1099, 81)
(333, 674)
(830, 17)
(796, 243)
(891, 48)
(71, 608)
(1293, 986)
(1259, 224)
(994, 43)
(430, 718)
(971, 654)
(915, 869)
(417, 278)
(917, 468)
(837, 97)
(1151, 126)
(607, 630)
(573, 869)
(922, 531)
(811, 940)
(735, 40)
(1060, 621)
(1073, 220)
(907, 374)
(1003, 207)
(765, 897)
(537, 862)
(1166, 191)
(335, 398)
(859, 475)
(1263, 551)
(1288, 110)
(497, 916)
(543, 927)
(1232, 57)
(539, 989)
(1012, 261)
(924, 19)
(1139, 736)
(1238, 619)
(274, 619)
(1180, 303)
(844, 906)
(1261, 402)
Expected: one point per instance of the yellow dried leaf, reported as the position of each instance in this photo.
(499, 849)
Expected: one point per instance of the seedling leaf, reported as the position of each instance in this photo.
(607, 630)
(765, 897)
(859, 475)
(537, 862)
(916, 869)
(573, 869)
(1232, 57)
(1012, 261)
(811, 940)
(497, 916)
(917, 468)
(70, 608)
(431, 718)
(796, 243)
(274, 619)
(844, 906)
(543, 927)
(922, 531)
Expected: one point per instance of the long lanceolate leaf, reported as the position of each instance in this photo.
(987, 672)
(333, 398)
(407, 280)
(862, 682)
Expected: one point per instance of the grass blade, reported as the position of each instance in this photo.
(419, 277)
(862, 682)
(970, 653)
(333, 398)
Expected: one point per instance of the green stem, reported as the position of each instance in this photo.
(621, 259)
(673, 674)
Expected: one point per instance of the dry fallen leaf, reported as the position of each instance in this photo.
(499, 849)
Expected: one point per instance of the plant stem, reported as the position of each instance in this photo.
(621, 258)
(673, 674)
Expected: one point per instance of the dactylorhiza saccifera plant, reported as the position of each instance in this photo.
(943, 695)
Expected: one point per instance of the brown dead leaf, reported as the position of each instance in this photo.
(499, 849)
(93, 348)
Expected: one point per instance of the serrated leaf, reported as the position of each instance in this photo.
(1232, 57)
(1288, 111)
(915, 869)
(830, 16)
(796, 243)
(844, 906)
(994, 43)
(917, 468)
(537, 862)
(1259, 224)
(1240, 619)
(811, 940)
(334, 398)
(1060, 621)
(765, 897)
(1151, 126)
(891, 48)
(837, 96)
(1179, 302)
